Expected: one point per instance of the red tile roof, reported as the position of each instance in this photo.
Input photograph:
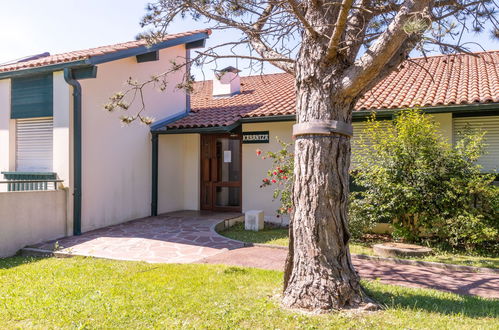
(441, 80)
(87, 53)
(265, 95)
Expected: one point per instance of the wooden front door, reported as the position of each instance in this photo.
(221, 172)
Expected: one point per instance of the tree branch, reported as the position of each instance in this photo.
(246, 57)
(367, 67)
(253, 32)
(301, 17)
(262, 48)
(339, 28)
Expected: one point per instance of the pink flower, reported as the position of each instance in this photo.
(274, 181)
(285, 177)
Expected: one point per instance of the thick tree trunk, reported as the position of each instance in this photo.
(319, 274)
(322, 275)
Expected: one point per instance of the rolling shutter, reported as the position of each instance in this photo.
(32, 97)
(359, 131)
(490, 124)
(34, 145)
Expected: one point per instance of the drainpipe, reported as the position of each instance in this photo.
(154, 181)
(68, 76)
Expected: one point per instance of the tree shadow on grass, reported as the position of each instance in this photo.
(11, 262)
(470, 306)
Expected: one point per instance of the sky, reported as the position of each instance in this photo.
(29, 27)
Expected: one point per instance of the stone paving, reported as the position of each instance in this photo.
(177, 237)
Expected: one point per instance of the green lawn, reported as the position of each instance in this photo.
(279, 236)
(95, 293)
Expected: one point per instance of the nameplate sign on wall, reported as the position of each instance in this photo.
(256, 137)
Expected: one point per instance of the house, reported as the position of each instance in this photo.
(52, 120)
(199, 154)
(233, 116)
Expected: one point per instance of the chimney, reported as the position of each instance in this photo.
(227, 82)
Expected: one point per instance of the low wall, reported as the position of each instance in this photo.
(31, 217)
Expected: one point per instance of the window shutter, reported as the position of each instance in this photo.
(359, 131)
(32, 97)
(34, 145)
(489, 124)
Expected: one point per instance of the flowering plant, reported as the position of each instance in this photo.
(280, 175)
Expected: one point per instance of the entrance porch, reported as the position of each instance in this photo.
(175, 237)
(215, 169)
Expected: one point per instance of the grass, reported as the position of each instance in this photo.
(272, 236)
(95, 293)
(279, 236)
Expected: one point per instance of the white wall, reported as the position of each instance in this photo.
(255, 169)
(444, 121)
(62, 127)
(192, 171)
(32, 217)
(4, 128)
(116, 168)
(179, 172)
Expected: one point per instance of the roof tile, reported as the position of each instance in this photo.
(87, 53)
(427, 82)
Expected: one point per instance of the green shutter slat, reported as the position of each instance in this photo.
(32, 97)
(489, 124)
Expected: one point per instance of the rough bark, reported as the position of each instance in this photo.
(322, 276)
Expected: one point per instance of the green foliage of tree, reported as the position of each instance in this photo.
(411, 176)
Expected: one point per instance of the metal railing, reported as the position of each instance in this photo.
(29, 181)
(30, 185)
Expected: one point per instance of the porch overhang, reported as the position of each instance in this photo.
(200, 130)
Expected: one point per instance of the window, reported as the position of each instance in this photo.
(489, 124)
(359, 132)
(32, 108)
(34, 145)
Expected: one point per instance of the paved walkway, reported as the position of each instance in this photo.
(480, 284)
(189, 237)
(177, 237)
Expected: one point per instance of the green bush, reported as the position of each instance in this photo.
(280, 175)
(427, 188)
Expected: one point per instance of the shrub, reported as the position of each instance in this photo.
(280, 176)
(429, 189)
